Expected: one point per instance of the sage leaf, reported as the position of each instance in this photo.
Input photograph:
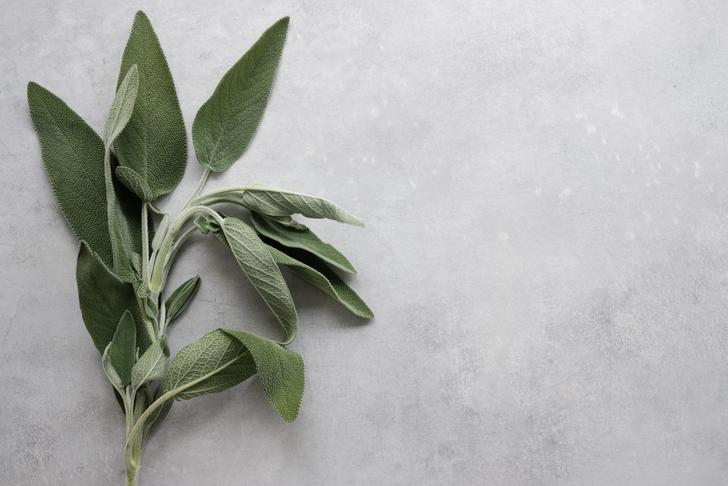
(73, 156)
(304, 239)
(281, 372)
(160, 233)
(277, 203)
(122, 106)
(122, 349)
(134, 182)
(112, 375)
(103, 298)
(256, 262)
(181, 298)
(228, 120)
(317, 273)
(150, 365)
(213, 363)
(154, 143)
(124, 214)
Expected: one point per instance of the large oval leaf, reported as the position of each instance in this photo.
(213, 363)
(103, 299)
(302, 238)
(256, 262)
(154, 143)
(73, 156)
(280, 370)
(226, 123)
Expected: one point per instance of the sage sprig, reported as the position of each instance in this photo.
(107, 188)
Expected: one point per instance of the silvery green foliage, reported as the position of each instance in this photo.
(105, 187)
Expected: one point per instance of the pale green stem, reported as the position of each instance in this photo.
(145, 244)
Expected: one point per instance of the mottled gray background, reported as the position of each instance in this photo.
(547, 249)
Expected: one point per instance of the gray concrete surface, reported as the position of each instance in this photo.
(547, 249)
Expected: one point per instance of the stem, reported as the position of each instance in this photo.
(200, 185)
(131, 460)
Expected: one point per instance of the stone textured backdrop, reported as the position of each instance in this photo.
(547, 248)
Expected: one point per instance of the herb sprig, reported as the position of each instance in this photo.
(108, 188)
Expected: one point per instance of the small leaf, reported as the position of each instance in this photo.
(280, 370)
(103, 299)
(154, 143)
(160, 233)
(73, 156)
(112, 374)
(305, 239)
(150, 308)
(122, 106)
(150, 365)
(318, 274)
(213, 363)
(277, 202)
(258, 265)
(122, 349)
(181, 298)
(134, 182)
(226, 123)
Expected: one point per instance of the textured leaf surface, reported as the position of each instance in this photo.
(154, 143)
(256, 262)
(122, 106)
(226, 123)
(280, 370)
(150, 365)
(277, 202)
(213, 363)
(124, 213)
(315, 272)
(122, 350)
(103, 299)
(134, 182)
(181, 298)
(304, 239)
(73, 156)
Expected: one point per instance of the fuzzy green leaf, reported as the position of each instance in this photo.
(150, 365)
(226, 123)
(181, 298)
(122, 349)
(277, 202)
(154, 143)
(280, 370)
(258, 265)
(304, 239)
(213, 363)
(124, 214)
(73, 156)
(315, 272)
(103, 298)
(134, 182)
(122, 107)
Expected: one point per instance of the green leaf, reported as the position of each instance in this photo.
(258, 265)
(226, 123)
(134, 182)
(181, 298)
(280, 370)
(122, 106)
(154, 143)
(150, 365)
(73, 156)
(112, 375)
(122, 349)
(315, 272)
(304, 239)
(103, 298)
(124, 213)
(277, 203)
(213, 363)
